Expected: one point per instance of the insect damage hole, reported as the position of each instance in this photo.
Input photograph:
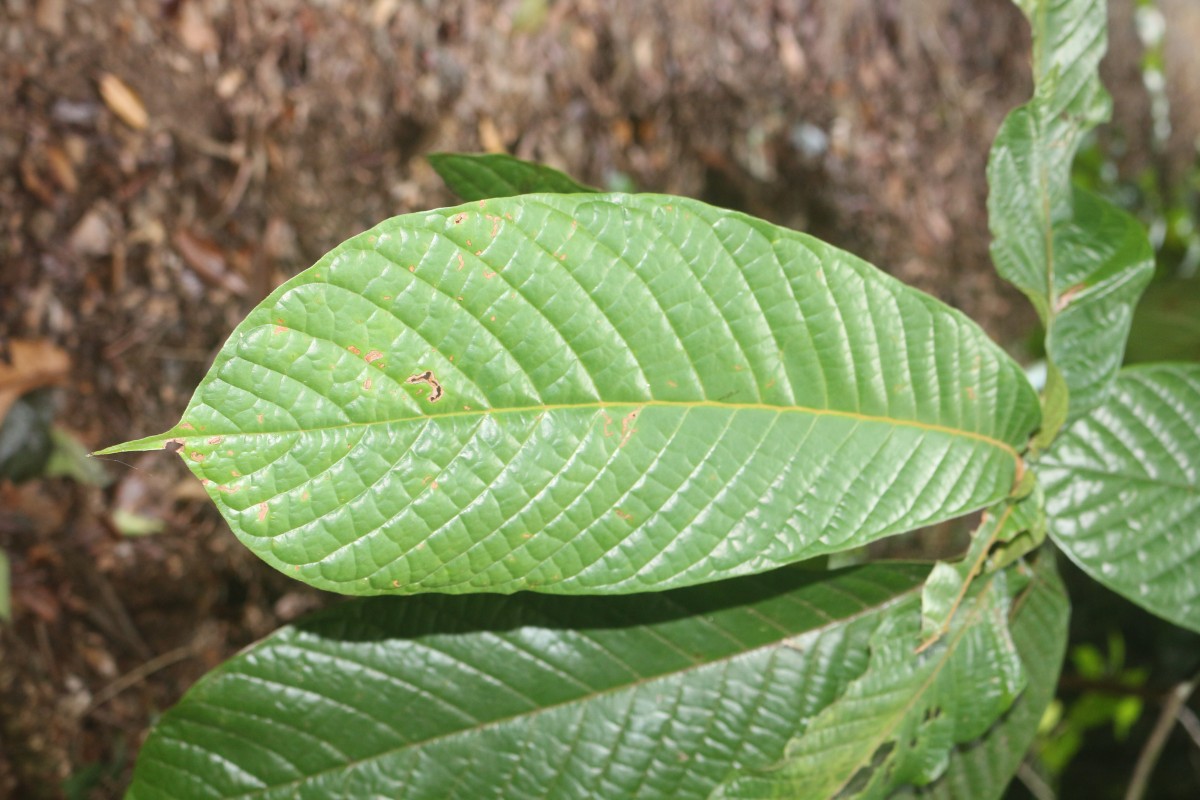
(427, 377)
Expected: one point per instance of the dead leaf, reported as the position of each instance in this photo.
(195, 31)
(123, 101)
(207, 260)
(30, 365)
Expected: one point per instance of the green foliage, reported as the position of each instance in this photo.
(484, 177)
(1082, 262)
(583, 393)
(600, 394)
(1123, 492)
(528, 696)
(896, 724)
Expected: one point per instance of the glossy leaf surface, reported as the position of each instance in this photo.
(983, 769)
(527, 696)
(1123, 490)
(898, 723)
(593, 393)
(482, 176)
(1082, 262)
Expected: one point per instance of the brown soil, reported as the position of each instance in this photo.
(165, 163)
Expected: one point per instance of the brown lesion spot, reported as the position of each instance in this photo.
(627, 429)
(428, 377)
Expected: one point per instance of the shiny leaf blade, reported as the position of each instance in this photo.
(593, 393)
(526, 696)
(1123, 491)
(1082, 262)
(896, 725)
(481, 176)
(983, 769)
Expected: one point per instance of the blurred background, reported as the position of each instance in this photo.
(165, 163)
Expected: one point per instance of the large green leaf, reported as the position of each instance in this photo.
(896, 724)
(981, 770)
(593, 393)
(1123, 490)
(527, 696)
(1082, 262)
(481, 176)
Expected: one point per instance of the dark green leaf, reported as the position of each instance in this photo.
(983, 769)
(477, 176)
(896, 725)
(527, 696)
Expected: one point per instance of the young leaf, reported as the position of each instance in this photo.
(481, 176)
(948, 583)
(593, 393)
(1082, 262)
(1123, 490)
(898, 723)
(983, 769)
(658, 695)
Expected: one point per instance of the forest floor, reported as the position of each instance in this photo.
(165, 163)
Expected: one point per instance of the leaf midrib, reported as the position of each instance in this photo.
(784, 641)
(152, 442)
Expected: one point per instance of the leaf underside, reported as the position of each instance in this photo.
(593, 393)
(1123, 490)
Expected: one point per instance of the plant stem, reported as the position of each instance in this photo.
(1158, 738)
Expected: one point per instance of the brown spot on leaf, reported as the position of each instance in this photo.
(173, 445)
(262, 511)
(1067, 296)
(625, 515)
(427, 377)
(488, 276)
(215, 440)
(461, 261)
(278, 330)
(187, 426)
(367, 384)
(374, 355)
(459, 219)
(260, 419)
(627, 429)
(354, 350)
(395, 584)
(196, 455)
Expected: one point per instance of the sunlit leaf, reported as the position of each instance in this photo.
(593, 393)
